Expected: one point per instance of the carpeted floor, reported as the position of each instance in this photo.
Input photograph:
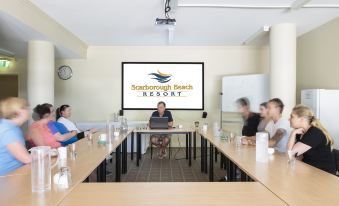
(175, 169)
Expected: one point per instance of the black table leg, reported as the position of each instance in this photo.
(222, 159)
(86, 180)
(98, 174)
(228, 169)
(206, 155)
(190, 149)
(138, 148)
(186, 146)
(101, 172)
(195, 145)
(202, 153)
(211, 173)
(216, 155)
(243, 176)
(124, 159)
(132, 145)
(233, 172)
(118, 163)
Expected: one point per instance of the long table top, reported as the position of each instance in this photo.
(300, 184)
(149, 194)
(16, 187)
(165, 131)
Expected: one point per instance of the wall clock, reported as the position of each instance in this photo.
(65, 72)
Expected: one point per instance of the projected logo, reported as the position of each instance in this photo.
(161, 77)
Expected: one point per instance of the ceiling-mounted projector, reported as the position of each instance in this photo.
(165, 22)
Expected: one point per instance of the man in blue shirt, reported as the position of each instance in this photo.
(162, 141)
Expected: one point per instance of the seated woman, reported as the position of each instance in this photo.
(162, 141)
(57, 127)
(13, 153)
(39, 133)
(310, 141)
(63, 113)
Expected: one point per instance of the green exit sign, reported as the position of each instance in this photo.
(4, 63)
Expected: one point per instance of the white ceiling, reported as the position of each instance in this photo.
(14, 36)
(131, 22)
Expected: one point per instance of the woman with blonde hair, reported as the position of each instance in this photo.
(13, 153)
(310, 141)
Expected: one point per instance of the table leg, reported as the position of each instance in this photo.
(101, 172)
(228, 169)
(124, 159)
(243, 176)
(190, 149)
(211, 173)
(86, 180)
(222, 159)
(118, 163)
(98, 174)
(195, 145)
(132, 145)
(138, 148)
(216, 155)
(206, 155)
(202, 154)
(186, 146)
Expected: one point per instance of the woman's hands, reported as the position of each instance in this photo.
(298, 131)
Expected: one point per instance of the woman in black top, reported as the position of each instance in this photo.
(310, 141)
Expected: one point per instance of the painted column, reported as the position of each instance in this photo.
(40, 72)
(283, 64)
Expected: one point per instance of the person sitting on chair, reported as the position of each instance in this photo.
(162, 141)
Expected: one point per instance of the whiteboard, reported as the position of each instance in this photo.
(254, 86)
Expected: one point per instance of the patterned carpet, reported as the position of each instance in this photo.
(175, 169)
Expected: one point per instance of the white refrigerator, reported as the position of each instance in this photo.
(325, 105)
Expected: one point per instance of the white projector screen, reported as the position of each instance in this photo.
(179, 84)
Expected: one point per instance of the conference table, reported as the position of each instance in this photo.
(187, 131)
(16, 187)
(172, 193)
(295, 184)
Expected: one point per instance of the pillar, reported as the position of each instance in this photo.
(40, 72)
(283, 64)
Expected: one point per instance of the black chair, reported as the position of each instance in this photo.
(336, 158)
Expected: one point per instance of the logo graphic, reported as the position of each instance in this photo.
(161, 77)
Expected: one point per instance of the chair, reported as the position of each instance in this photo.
(169, 148)
(336, 159)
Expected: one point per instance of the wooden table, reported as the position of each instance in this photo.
(149, 194)
(300, 184)
(189, 132)
(16, 187)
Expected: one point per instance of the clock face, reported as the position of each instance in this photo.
(65, 72)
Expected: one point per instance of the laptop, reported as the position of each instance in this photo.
(159, 123)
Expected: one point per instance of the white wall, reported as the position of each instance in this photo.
(317, 58)
(94, 91)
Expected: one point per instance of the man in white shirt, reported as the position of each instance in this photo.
(278, 128)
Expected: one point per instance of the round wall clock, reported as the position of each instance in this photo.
(65, 72)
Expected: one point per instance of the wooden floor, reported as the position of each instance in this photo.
(175, 169)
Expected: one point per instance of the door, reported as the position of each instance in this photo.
(8, 86)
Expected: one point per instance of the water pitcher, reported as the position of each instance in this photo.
(41, 167)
